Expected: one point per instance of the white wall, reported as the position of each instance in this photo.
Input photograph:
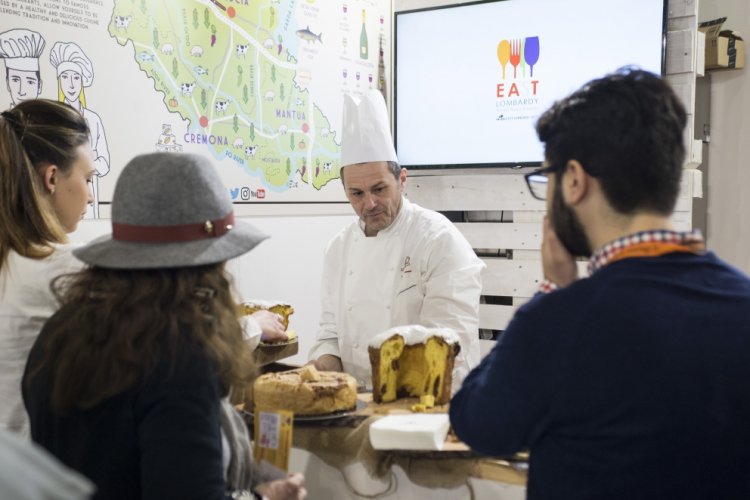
(729, 151)
(288, 266)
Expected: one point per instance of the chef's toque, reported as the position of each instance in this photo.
(21, 49)
(70, 57)
(367, 134)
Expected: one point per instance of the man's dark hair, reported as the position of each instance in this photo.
(625, 129)
(393, 166)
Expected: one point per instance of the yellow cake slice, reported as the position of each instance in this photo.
(413, 361)
(249, 307)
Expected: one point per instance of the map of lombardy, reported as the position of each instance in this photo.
(224, 66)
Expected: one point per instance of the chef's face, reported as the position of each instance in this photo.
(23, 85)
(374, 193)
(70, 83)
(73, 191)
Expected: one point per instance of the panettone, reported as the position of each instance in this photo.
(252, 306)
(413, 361)
(305, 391)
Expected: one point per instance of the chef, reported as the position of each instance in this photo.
(75, 73)
(399, 264)
(21, 50)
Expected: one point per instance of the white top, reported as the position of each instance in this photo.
(415, 334)
(29, 472)
(26, 302)
(419, 271)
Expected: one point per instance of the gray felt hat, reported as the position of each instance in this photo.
(170, 210)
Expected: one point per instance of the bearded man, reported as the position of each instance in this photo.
(635, 381)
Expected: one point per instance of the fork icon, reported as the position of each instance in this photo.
(515, 54)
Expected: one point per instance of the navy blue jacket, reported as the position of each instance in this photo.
(633, 383)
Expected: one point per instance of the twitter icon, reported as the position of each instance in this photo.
(234, 192)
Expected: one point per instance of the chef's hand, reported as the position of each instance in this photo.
(290, 488)
(559, 265)
(327, 363)
(272, 326)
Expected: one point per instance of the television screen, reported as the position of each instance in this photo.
(472, 80)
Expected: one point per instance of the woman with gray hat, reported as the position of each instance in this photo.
(129, 382)
(46, 166)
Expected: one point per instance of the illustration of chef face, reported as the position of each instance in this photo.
(374, 193)
(23, 85)
(71, 84)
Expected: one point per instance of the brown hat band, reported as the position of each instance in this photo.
(173, 234)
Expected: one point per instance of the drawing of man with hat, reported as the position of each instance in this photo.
(21, 50)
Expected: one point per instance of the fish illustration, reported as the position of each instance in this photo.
(201, 70)
(299, 102)
(309, 36)
(145, 56)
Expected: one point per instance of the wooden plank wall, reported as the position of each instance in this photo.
(502, 217)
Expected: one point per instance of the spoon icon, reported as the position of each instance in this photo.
(503, 54)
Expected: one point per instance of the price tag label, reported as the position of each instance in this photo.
(273, 437)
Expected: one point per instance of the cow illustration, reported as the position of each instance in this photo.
(221, 107)
(327, 167)
(242, 50)
(187, 88)
(250, 151)
(122, 22)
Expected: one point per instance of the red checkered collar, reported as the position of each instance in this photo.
(604, 255)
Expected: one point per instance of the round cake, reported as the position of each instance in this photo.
(305, 391)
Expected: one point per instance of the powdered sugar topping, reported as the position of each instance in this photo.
(415, 334)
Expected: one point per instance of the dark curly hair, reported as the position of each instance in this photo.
(113, 325)
(625, 129)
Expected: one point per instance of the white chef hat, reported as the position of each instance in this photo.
(21, 49)
(70, 57)
(367, 134)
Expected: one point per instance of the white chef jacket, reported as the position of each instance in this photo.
(101, 157)
(419, 271)
(26, 302)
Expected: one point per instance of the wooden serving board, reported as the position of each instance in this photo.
(268, 353)
(398, 407)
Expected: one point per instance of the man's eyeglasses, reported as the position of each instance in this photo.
(537, 182)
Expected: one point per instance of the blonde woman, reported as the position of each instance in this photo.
(75, 73)
(46, 166)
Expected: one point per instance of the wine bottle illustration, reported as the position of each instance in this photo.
(363, 51)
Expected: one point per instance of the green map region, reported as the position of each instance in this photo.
(225, 70)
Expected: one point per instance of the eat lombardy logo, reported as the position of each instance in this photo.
(520, 53)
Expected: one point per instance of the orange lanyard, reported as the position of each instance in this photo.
(657, 249)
